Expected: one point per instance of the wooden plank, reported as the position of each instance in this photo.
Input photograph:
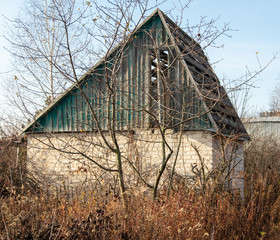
(146, 85)
(224, 121)
(126, 90)
(99, 95)
(178, 93)
(204, 77)
(176, 29)
(118, 96)
(228, 112)
(140, 53)
(68, 113)
(79, 99)
(82, 111)
(208, 71)
(124, 87)
(91, 102)
(121, 93)
(85, 105)
(54, 120)
(60, 116)
(209, 96)
(134, 84)
(166, 58)
(186, 50)
(75, 122)
(159, 91)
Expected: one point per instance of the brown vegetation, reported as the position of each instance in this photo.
(185, 214)
(12, 163)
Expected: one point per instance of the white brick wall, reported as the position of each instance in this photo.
(57, 158)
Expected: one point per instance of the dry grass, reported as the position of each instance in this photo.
(186, 214)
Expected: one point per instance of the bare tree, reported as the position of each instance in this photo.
(124, 92)
(53, 49)
(275, 99)
(41, 62)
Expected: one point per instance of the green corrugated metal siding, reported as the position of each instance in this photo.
(72, 113)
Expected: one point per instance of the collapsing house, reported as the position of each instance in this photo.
(154, 98)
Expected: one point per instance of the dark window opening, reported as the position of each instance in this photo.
(158, 83)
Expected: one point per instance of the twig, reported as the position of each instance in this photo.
(5, 225)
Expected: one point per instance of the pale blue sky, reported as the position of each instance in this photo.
(258, 28)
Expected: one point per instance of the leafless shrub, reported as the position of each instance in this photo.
(262, 164)
(184, 215)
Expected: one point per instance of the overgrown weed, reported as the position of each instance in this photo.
(185, 214)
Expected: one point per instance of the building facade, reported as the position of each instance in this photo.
(153, 103)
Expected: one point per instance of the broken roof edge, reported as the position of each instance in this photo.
(244, 136)
(187, 69)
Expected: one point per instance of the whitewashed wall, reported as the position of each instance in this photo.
(59, 159)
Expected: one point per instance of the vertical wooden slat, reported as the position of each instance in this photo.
(54, 120)
(143, 80)
(159, 88)
(59, 117)
(134, 84)
(67, 113)
(118, 96)
(146, 89)
(79, 111)
(177, 91)
(63, 115)
(68, 109)
(172, 86)
(74, 108)
(99, 94)
(94, 100)
(129, 88)
(103, 106)
(140, 53)
(89, 94)
(72, 112)
(123, 90)
(85, 106)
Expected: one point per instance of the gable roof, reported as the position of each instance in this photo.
(214, 98)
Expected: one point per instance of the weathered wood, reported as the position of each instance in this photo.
(204, 70)
(185, 50)
(175, 29)
(178, 75)
(208, 95)
(224, 111)
(224, 122)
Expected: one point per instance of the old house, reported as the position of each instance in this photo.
(155, 100)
